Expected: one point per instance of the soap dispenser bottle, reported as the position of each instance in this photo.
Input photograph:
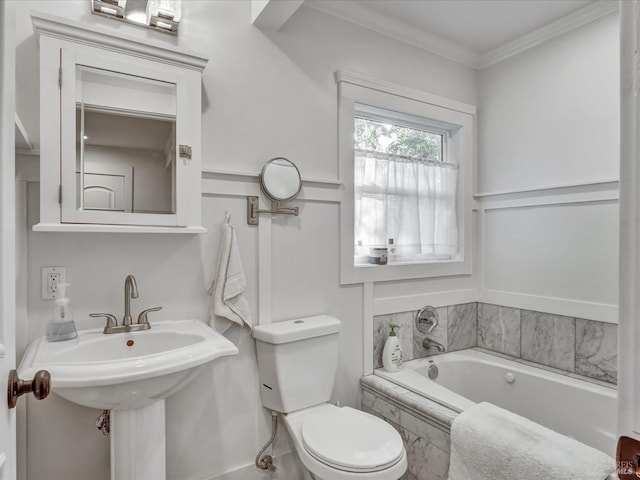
(62, 327)
(392, 353)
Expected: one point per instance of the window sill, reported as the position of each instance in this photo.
(366, 272)
(363, 262)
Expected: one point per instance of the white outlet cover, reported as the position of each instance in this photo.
(62, 271)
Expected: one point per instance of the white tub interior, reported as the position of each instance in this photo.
(579, 409)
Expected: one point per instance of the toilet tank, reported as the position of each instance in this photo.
(297, 362)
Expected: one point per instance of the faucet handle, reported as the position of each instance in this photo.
(112, 321)
(426, 319)
(142, 318)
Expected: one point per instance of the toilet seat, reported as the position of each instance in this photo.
(351, 440)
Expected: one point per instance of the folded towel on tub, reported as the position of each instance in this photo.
(489, 443)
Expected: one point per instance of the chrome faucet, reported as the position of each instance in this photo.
(130, 291)
(431, 344)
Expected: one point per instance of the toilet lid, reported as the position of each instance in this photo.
(351, 440)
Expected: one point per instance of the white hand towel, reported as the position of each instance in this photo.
(228, 285)
(489, 443)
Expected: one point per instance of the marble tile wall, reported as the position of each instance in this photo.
(596, 350)
(428, 446)
(456, 330)
(548, 339)
(499, 329)
(575, 345)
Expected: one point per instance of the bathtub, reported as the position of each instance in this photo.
(580, 409)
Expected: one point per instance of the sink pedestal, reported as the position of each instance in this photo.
(130, 374)
(138, 443)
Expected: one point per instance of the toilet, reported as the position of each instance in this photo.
(297, 364)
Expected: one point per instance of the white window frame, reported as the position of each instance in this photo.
(356, 90)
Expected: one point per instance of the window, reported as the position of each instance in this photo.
(405, 190)
(406, 160)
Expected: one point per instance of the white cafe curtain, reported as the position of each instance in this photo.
(411, 200)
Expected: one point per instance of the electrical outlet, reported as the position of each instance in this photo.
(51, 278)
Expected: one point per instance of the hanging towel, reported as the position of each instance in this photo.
(489, 443)
(228, 284)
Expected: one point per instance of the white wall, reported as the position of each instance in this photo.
(265, 94)
(269, 94)
(550, 118)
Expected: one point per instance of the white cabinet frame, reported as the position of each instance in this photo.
(65, 44)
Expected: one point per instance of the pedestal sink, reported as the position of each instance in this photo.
(130, 374)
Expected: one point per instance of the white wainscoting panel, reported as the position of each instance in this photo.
(555, 251)
(387, 305)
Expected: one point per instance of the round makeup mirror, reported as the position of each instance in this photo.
(280, 180)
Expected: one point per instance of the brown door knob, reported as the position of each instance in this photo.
(40, 386)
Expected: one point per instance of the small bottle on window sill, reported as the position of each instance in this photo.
(391, 251)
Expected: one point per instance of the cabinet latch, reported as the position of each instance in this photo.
(185, 151)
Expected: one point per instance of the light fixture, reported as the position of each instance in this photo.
(113, 8)
(137, 17)
(162, 15)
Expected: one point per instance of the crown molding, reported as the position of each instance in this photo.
(574, 20)
(372, 20)
(369, 19)
(63, 29)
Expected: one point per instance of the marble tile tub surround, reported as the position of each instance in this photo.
(423, 425)
(548, 339)
(499, 328)
(575, 345)
(597, 350)
(456, 330)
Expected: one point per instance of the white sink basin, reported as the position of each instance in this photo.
(126, 370)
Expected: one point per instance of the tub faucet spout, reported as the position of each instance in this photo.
(431, 344)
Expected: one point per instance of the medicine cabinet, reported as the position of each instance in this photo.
(120, 132)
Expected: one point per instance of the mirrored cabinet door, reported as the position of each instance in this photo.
(119, 143)
(120, 131)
